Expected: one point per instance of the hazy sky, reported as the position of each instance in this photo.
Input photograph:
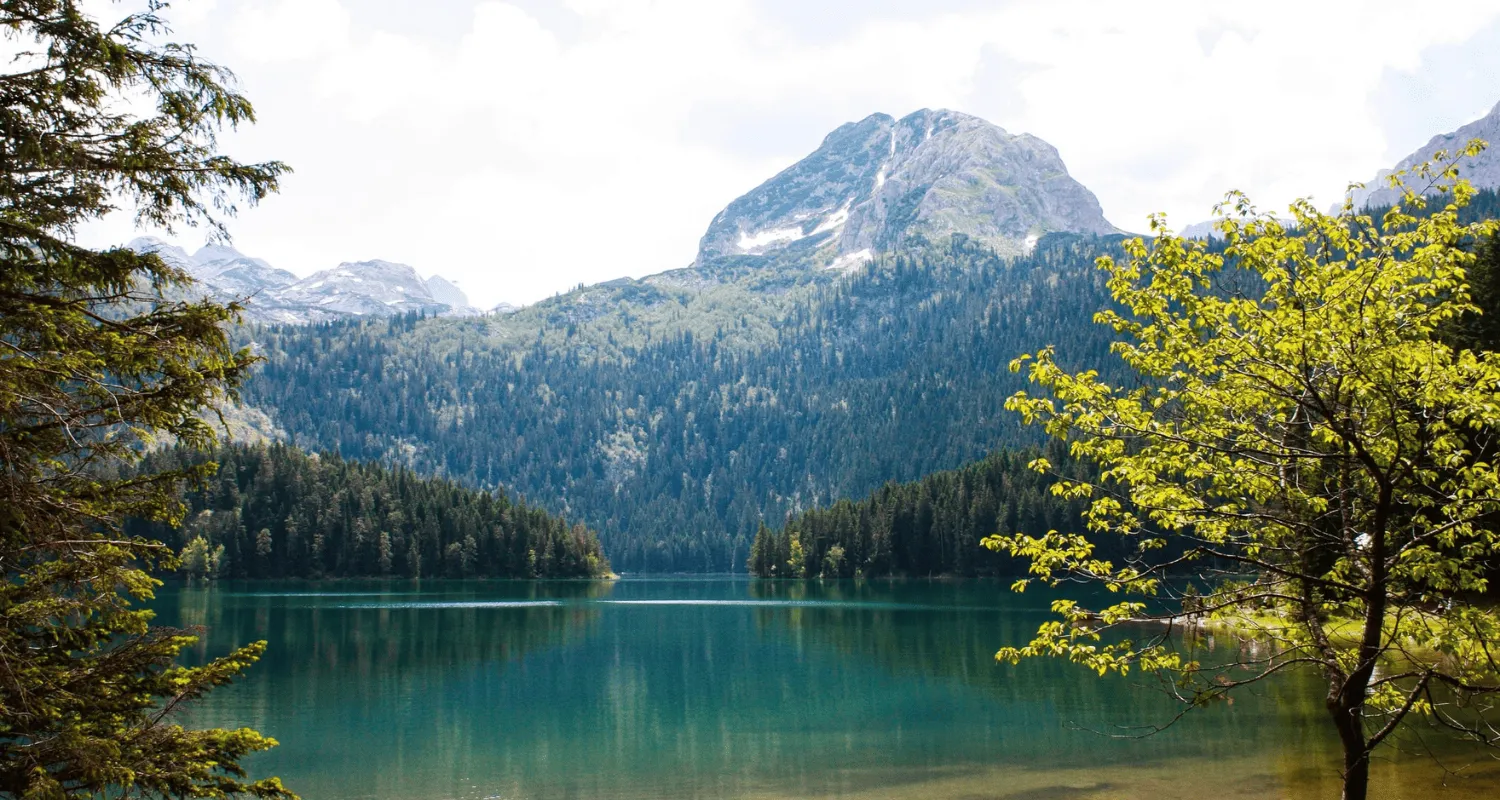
(527, 146)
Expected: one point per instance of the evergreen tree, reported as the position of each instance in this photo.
(96, 360)
(385, 519)
(855, 538)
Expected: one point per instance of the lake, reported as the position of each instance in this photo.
(730, 688)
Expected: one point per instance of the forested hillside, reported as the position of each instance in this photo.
(278, 512)
(931, 526)
(677, 449)
(676, 441)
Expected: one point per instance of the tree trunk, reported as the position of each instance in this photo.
(1356, 750)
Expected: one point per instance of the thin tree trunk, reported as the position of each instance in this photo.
(1356, 752)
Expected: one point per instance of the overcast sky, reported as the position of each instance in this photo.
(523, 147)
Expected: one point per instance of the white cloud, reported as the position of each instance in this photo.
(285, 30)
(522, 157)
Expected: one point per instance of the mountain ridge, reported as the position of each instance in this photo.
(272, 295)
(870, 184)
(1482, 170)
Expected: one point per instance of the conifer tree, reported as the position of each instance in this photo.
(97, 358)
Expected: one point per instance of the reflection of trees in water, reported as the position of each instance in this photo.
(1050, 701)
(377, 690)
(583, 701)
(357, 633)
(1281, 724)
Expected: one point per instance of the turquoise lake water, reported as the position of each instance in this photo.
(729, 688)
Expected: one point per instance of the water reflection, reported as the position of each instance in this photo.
(717, 688)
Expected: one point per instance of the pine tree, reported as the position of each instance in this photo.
(98, 359)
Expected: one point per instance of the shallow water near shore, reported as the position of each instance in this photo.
(729, 688)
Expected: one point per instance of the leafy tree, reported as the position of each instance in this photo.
(200, 562)
(95, 361)
(1301, 428)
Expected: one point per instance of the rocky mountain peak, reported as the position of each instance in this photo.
(933, 173)
(361, 288)
(172, 254)
(446, 292)
(1483, 171)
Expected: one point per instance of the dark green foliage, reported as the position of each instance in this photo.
(676, 450)
(928, 527)
(677, 447)
(1480, 331)
(278, 512)
(94, 362)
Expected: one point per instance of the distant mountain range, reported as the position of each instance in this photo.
(871, 187)
(354, 289)
(1483, 172)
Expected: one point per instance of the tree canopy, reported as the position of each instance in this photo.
(274, 511)
(96, 361)
(1300, 426)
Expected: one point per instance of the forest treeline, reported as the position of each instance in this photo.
(274, 511)
(676, 450)
(931, 526)
(677, 447)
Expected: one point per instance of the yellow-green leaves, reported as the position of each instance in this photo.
(1301, 443)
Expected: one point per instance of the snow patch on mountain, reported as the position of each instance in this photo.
(874, 183)
(849, 261)
(754, 242)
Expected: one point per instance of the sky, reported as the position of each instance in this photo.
(524, 147)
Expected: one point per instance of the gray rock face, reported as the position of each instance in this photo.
(233, 273)
(1482, 171)
(875, 182)
(373, 288)
(1208, 229)
(446, 292)
(378, 288)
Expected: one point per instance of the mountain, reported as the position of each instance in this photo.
(232, 273)
(677, 448)
(1207, 229)
(1201, 230)
(874, 183)
(872, 187)
(446, 292)
(677, 412)
(378, 288)
(1483, 171)
(365, 288)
